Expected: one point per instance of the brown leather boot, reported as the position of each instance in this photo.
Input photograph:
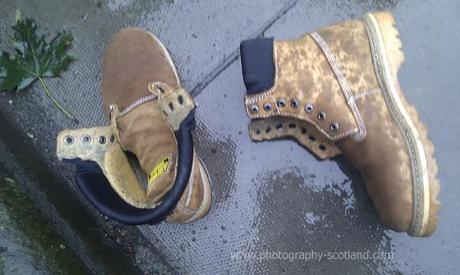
(142, 95)
(336, 91)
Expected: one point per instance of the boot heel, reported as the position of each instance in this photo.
(387, 46)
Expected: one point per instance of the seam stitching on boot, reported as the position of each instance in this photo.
(336, 68)
(190, 184)
(367, 93)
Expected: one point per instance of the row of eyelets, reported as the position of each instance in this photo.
(255, 109)
(279, 126)
(295, 104)
(321, 115)
(69, 140)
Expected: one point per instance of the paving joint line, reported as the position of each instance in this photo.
(236, 53)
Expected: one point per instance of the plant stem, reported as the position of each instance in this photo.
(56, 103)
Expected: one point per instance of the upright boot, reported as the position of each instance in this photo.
(336, 91)
(151, 117)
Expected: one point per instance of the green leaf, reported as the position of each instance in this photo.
(34, 57)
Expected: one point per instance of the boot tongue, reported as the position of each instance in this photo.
(257, 64)
(145, 133)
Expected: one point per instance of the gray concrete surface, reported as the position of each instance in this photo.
(28, 243)
(269, 196)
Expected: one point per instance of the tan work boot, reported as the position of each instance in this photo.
(336, 91)
(142, 95)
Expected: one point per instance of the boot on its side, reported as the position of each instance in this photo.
(336, 91)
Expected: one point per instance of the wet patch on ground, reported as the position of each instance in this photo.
(220, 155)
(306, 214)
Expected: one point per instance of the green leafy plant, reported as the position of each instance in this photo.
(34, 58)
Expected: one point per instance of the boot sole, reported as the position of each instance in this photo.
(388, 58)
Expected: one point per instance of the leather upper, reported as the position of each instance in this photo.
(302, 83)
(137, 65)
(332, 71)
(132, 60)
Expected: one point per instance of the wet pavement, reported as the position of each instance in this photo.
(269, 197)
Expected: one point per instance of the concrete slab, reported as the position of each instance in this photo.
(270, 196)
(208, 29)
(275, 197)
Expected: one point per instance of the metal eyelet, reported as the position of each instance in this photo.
(295, 103)
(281, 102)
(159, 89)
(267, 107)
(322, 115)
(180, 99)
(86, 139)
(112, 138)
(102, 140)
(254, 109)
(334, 126)
(309, 108)
(68, 140)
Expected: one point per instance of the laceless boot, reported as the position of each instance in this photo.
(136, 70)
(142, 95)
(336, 91)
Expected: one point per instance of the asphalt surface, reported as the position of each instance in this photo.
(268, 197)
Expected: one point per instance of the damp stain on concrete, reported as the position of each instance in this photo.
(221, 154)
(321, 209)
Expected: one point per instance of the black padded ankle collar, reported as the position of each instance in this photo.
(98, 191)
(257, 64)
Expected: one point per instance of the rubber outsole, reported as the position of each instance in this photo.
(426, 203)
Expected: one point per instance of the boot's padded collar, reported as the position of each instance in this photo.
(257, 64)
(110, 201)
